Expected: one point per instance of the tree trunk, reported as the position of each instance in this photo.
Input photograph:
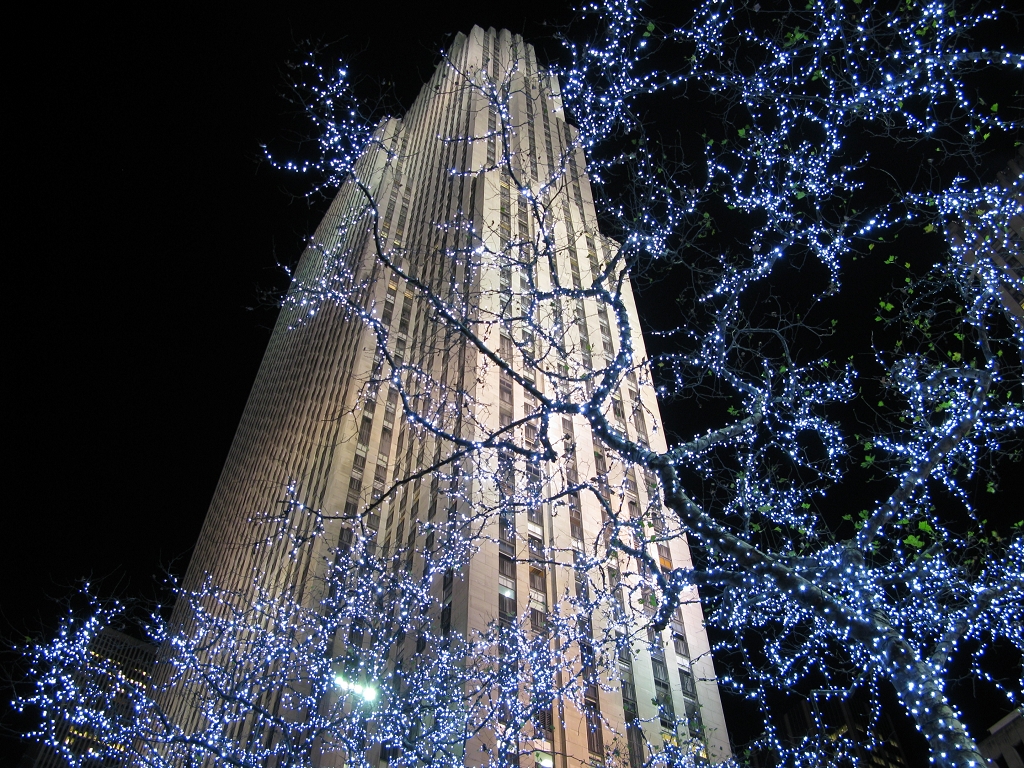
(921, 693)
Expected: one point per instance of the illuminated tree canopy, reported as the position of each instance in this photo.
(810, 196)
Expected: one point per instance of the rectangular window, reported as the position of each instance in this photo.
(380, 476)
(575, 517)
(595, 731)
(687, 682)
(681, 647)
(530, 434)
(664, 556)
(666, 709)
(507, 567)
(536, 548)
(505, 388)
(635, 742)
(544, 723)
(693, 719)
(345, 540)
(506, 530)
(538, 620)
(538, 580)
(365, 428)
(506, 607)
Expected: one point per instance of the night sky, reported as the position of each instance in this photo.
(149, 233)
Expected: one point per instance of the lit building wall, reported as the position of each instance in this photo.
(323, 426)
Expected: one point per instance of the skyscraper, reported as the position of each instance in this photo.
(424, 398)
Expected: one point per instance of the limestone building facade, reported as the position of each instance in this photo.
(457, 287)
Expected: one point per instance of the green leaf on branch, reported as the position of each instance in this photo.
(913, 541)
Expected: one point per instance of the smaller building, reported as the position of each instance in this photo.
(1004, 746)
(133, 662)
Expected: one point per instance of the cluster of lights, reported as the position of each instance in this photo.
(365, 692)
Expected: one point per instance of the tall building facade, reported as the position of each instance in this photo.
(425, 391)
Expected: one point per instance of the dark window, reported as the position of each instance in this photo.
(595, 732)
(538, 620)
(544, 722)
(537, 580)
(506, 610)
(506, 566)
(693, 719)
(635, 742)
(536, 549)
(364, 430)
(681, 646)
(345, 540)
(687, 682)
